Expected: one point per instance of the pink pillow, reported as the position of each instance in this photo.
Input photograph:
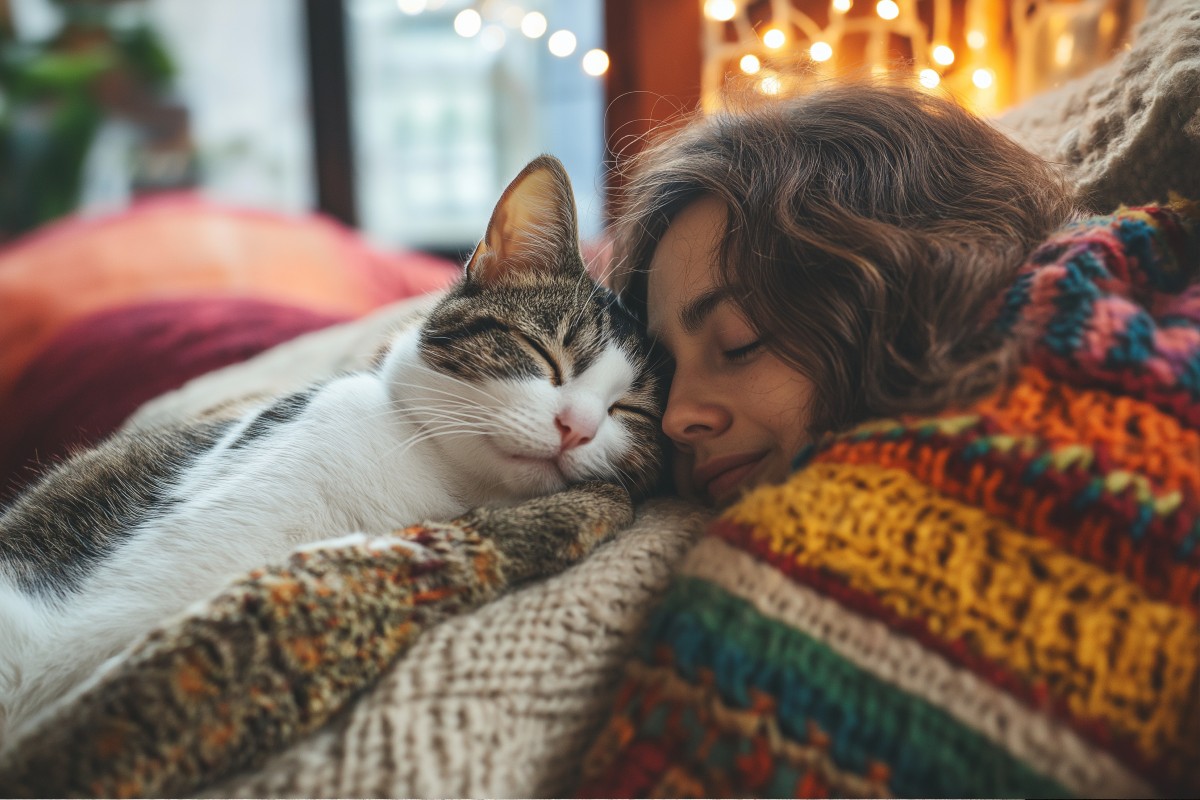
(99, 369)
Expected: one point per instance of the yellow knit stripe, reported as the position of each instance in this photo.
(1094, 639)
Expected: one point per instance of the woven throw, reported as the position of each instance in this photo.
(999, 600)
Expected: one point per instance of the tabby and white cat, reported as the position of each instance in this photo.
(527, 377)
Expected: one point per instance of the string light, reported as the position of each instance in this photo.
(943, 55)
(720, 10)
(595, 62)
(467, 22)
(562, 43)
(1064, 48)
(994, 59)
(774, 38)
(887, 9)
(534, 24)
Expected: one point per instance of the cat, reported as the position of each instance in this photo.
(526, 377)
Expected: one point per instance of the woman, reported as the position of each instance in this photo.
(986, 580)
(813, 263)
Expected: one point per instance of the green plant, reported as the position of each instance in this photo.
(54, 95)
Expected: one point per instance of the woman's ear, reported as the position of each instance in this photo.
(533, 229)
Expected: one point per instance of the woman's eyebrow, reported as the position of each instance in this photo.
(696, 310)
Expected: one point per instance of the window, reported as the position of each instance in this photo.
(442, 121)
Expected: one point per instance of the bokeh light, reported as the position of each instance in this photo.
(562, 43)
(468, 22)
(595, 62)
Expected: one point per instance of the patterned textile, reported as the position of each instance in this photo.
(278, 653)
(999, 600)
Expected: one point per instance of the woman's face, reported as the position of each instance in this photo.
(736, 412)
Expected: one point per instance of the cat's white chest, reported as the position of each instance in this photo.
(350, 462)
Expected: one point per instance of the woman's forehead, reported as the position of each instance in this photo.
(684, 265)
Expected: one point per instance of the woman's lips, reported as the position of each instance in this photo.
(720, 476)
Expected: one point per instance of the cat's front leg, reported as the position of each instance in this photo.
(547, 534)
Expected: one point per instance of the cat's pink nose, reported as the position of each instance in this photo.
(573, 432)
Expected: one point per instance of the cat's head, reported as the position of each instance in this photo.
(530, 375)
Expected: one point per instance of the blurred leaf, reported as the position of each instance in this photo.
(26, 72)
(145, 54)
(50, 109)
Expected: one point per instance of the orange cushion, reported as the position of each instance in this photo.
(181, 246)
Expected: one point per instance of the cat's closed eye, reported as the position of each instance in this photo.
(556, 373)
(624, 408)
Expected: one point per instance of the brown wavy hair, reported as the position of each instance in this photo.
(870, 229)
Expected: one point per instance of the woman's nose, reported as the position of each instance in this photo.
(693, 412)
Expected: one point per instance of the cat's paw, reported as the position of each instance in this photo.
(546, 534)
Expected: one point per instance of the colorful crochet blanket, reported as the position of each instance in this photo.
(999, 600)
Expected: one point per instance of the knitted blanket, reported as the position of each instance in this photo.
(999, 600)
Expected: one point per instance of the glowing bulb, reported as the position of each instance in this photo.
(750, 64)
(943, 55)
(533, 24)
(929, 78)
(411, 7)
(770, 85)
(983, 78)
(1063, 49)
(887, 9)
(720, 10)
(976, 39)
(468, 22)
(562, 43)
(774, 38)
(820, 51)
(595, 62)
(842, 6)
(493, 38)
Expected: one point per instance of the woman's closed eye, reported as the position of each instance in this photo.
(743, 352)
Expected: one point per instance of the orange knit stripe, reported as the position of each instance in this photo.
(1131, 434)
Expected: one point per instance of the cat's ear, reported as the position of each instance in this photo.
(533, 229)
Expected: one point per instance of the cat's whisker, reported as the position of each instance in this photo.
(453, 398)
(441, 410)
(428, 434)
